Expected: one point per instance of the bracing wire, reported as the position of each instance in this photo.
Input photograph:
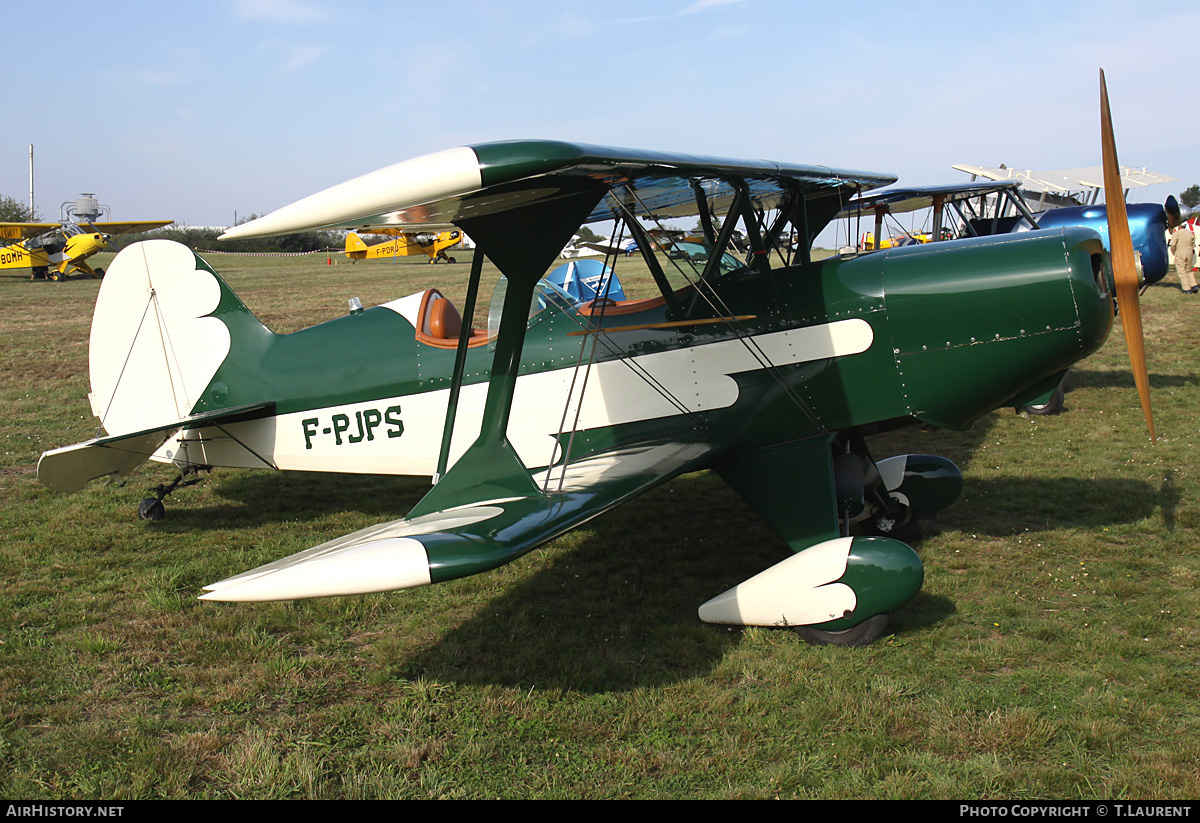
(711, 297)
(714, 301)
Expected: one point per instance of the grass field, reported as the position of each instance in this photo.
(1051, 654)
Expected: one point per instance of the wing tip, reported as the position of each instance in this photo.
(367, 567)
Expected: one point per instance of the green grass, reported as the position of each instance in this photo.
(1051, 653)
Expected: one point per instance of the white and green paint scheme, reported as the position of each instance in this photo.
(772, 373)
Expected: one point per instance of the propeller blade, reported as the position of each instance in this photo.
(1125, 274)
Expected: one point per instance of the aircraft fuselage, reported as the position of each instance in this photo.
(938, 334)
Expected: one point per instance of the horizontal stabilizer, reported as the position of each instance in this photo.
(70, 468)
(466, 539)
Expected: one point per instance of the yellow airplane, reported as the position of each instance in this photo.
(907, 239)
(407, 242)
(62, 248)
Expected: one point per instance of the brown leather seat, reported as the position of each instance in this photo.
(444, 320)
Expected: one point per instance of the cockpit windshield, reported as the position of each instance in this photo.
(546, 298)
(697, 254)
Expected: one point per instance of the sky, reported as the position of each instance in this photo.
(201, 111)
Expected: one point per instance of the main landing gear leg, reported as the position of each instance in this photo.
(910, 491)
(152, 508)
(836, 589)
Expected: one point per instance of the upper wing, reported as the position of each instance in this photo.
(467, 539)
(491, 178)
(1065, 181)
(23, 231)
(1093, 177)
(1028, 179)
(130, 228)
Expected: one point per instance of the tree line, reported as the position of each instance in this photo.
(196, 238)
(205, 239)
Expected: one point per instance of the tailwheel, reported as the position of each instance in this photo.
(152, 509)
(864, 634)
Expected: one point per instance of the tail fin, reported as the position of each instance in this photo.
(164, 323)
(355, 244)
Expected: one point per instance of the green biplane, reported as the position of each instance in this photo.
(770, 368)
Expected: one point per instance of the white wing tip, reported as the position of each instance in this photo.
(361, 568)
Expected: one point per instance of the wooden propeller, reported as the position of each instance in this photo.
(1125, 274)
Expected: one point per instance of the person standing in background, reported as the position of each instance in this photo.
(1183, 252)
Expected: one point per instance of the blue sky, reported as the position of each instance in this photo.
(197, 111)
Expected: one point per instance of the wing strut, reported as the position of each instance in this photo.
(714, 258)
(806, 238)
(490, 469)
(758, 251)
(643, 241)
(460, 359)
(706, 224)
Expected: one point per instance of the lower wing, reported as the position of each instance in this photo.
(466, 539)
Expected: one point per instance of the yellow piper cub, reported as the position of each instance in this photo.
(55, 250)
(406, 243)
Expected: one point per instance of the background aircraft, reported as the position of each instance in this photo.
(56, 250)
(586, 280)
(406, 242)
(578, 247)
(980, 208)
(1069, 197)
(1043, 190)
(772, 370)
(956, 210)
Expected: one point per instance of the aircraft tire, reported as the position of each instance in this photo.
(55, 276)
(1053, 406)
(152, 509)
(910, 527)
(864, 634)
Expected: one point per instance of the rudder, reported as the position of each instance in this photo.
(155, 344)
(355, 247)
